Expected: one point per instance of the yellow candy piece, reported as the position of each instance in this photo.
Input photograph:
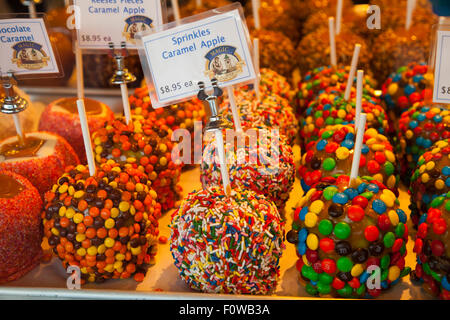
(109, 242)
(311, 220)
(390, 156)
(342, 153)
(387, 200)
(391, 182)
(439, 184)
(357, 270)
(409, 134)
(80, 237)
(377, 147)
(430, 165)
(109, 223)
(316, 206)
(124, 206)
(393, 217)
(81, 252)
(70, 212)
(394, 273)
(341, 114)
(92, 250)
(393, 88)
(425, 178)
(312, 241)
(378, 177)
(78, 218)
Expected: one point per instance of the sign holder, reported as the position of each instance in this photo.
(12, 103)
(438, 62)
(122, 77)
(216, 124)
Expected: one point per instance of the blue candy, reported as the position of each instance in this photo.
(340, 198)
(365, 149)
(351, 193)
(301, 248)
(446, 171)
(445, 283)
(362, 187)
(373, 187)
(303, 213)
(321, 145)
(349, 144)
(302, 235)
(401, 216)
(379, 206)
(413, 124)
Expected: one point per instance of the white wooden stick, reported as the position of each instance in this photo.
(126, 102)
(339, 16)
(176, 10)
(198, 3)
(222, 162)
(257, 67)
(236, 118)
(410, 5)
(359, 95)
(32, 9)
(86, 136)
(255, 9)
(357, 148)
(79, 69)
(333, 57)
(351, 75)
(18, 126)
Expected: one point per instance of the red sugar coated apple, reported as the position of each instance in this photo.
(41, 160)
(20, 226)
(61, 117)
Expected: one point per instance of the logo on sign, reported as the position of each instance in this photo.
(29, 55)
(135, 25)
(223, 63)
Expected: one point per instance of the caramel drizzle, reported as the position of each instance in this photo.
(70, 104)
(21, 148)
(9, 187)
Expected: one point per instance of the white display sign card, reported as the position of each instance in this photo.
(179, 57)
(25, 47)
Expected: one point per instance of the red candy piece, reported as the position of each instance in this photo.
(371, 233)
(439, 226)
(337, 284)
(356, 213)
(326, 244)
(383, 222)
(373, 167)
(329, 266)
(360, 201)
(437, 247)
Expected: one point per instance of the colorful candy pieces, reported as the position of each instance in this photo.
(264, 164)
(430, 179)
(145, 145)
(408, 85)
(330, 108)
(432, 246)
(106, 224)
(319, 79)
(272, 112)
(340, 232)
(419, 128)
(227, 244)
(332, 155)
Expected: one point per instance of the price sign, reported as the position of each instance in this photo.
(103, 21)
(179, 57)
(441, 92)
(25, 47)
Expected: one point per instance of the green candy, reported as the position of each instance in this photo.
(414, 149)
(426, 268)
(309, 273)
(368, 195)
(316, 83)
(447, 206)
(327, 134)
(295, 226)
(361, 290)
(318, 114)
(389, 239)
(325, 227)
(402, 69)
(338, 121)
(405, 272)
(403, 248)
(384, 274)
(329, 164)
(342, 230)
(388, 168)
(344, 264)
(329, 121)
(329, 192)
(325, 278)
(437, 202)
(436, 276)
(385, 261)
(323, 288)
(345, 291)
(400, 230)
(311, 290)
